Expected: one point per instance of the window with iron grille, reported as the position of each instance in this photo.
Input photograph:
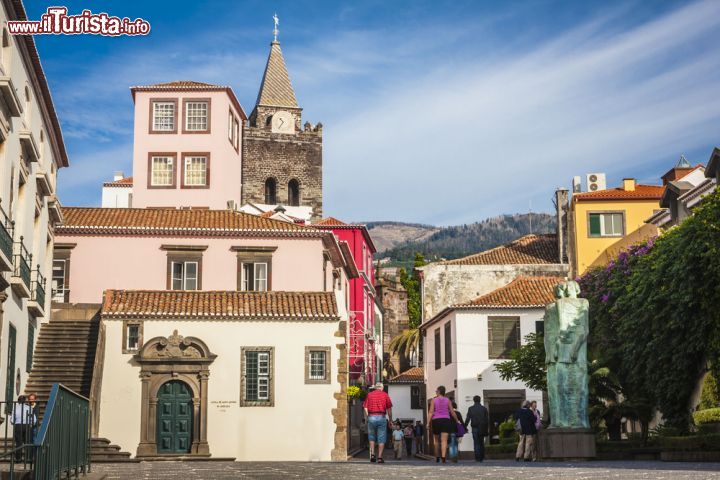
(503, 336)
(448, 343)
(162, 171)
(195, 171)
(196, 116)
(317, 365)
(164, 116)
(257, 370)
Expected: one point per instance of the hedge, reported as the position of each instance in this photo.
(709, 415)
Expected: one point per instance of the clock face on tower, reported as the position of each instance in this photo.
(283, 122)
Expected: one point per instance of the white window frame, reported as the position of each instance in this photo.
(58, 294)
(201, 121)
(189, 163)
(263, 383)
(161, 117)
(259, 284)
(168, 161)
(128, 346)
(604, 216)
(184, 278)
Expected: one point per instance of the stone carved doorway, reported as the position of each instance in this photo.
(186, 361)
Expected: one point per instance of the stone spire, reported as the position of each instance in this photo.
(276, 89)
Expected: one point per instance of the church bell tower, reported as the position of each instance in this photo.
(282, 158)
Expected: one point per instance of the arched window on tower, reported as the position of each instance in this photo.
(294, 193)
(270, 191)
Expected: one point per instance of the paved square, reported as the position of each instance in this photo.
(414, 469)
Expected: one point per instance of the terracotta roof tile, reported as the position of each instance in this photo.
(530, 249)
(412, 375)
(330, 222)
(641, 192)
(521, 292)
(139, 221)
(123, 182)
(181, 84)
(230, 305)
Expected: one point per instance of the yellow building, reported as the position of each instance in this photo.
(605, 222)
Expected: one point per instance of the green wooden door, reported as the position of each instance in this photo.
(10, 373)
(174, 418)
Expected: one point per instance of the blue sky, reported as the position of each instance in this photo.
(440, 112)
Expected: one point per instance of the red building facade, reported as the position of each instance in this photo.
(365, 349)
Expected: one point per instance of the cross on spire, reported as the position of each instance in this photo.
(275, 29)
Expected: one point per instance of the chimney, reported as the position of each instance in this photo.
(118, 175)
(629, 184)
(561, 207)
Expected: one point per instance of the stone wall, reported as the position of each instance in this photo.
(395, 319)
(445, 285)
(283, 157)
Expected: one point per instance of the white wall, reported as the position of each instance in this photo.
(116, 197)
(21, 210)
(470, 357)
(400, 396)
(298, 427)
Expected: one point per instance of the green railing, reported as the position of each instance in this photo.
(6, 233)
(62, 445)
(38, 288)
(22, 260)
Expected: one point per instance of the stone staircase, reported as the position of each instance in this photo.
(65, 353)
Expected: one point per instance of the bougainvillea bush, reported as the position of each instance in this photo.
(655, 313)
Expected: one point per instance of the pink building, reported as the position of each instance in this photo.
(365, 349)
(98, 249)
(187, 147)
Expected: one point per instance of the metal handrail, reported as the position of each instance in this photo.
(38, 288)
(6, 233)
(63, 442)
(22, 260)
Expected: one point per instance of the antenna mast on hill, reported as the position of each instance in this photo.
(530, 204)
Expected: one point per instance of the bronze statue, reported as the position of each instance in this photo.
(566, 332)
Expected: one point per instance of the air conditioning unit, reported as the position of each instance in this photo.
(577, 186)
(232, 205)
(596, 181)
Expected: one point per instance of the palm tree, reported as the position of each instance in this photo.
(407, 343)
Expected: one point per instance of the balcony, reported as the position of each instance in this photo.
(55, 210)
(44, 184)
(36, 304)
(6, 242)
(7, 90)
(22, 264)
(29, 147)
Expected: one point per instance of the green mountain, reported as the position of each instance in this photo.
(456, 241)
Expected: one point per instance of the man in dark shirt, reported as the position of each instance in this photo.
(528, 432)
(477, 417)
(419, 435)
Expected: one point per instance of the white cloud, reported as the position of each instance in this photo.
(448, 122)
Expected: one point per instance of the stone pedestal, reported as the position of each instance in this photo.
(566, 444)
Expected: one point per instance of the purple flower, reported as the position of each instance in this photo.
(605, 298)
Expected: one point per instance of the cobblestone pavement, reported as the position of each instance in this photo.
(414, 469)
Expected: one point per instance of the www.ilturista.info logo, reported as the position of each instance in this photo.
(57, 22)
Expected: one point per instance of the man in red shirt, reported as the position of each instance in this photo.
(376, 406)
